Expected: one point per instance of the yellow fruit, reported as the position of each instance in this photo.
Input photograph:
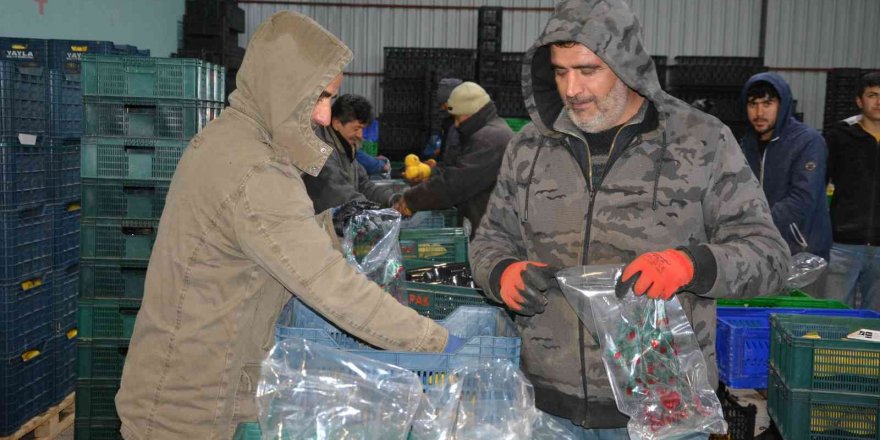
(431, 250)
(411, 160)
(411, 173)
(424, 171)
(431, 163)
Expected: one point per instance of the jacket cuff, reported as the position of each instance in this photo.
(494, 290)
(705, 269)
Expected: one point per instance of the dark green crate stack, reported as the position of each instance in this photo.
(138, 117)
(823, 384)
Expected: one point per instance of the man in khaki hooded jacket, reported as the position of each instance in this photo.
(237, 236)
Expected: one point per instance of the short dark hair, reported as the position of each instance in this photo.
(351, 107)
(761, 89)
(870, 79)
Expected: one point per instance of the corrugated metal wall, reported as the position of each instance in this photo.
(800, 33)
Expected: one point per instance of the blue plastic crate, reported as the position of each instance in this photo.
(24, 175)
(65, 105)
(65, 183)
(26, 309)
(489, 332)
(25, 242)
(742, 341)
(24, 102)
(25, 52)
(66, 293)
(65, 233)
(64, 369)
(25, 386)
(66, 55)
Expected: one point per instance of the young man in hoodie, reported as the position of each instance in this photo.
(854, 169)
(238, 235)
(789, 159)
(613, 170)
(467, 175)
(343, 179)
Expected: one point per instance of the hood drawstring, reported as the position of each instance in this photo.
(657, 168)
(525, 216)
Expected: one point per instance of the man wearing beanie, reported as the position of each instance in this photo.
(467, 175)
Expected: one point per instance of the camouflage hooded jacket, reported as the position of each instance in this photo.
(684, 183)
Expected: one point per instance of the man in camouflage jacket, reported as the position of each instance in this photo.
(658, 185)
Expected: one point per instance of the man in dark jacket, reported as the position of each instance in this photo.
(467, 175)
(343, 179)
(789, 159)
(854, 169)
(613, 170)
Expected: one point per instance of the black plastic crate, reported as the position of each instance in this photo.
(231, 58)
(511, 67)
(213, 11)
(26, 386)
(26, 307)
(197, 24)
(740, 419)
(660, 62)
(25, 52)
(64, 368)
(65, 233)
(24, 175)
(509, 101)
(488, 47)
(222, 43)
(65, 105)
(405, 96)
(65, 56)
(720, 61)
(489, 76)
(25, 242)
(64, 180)
(24, 103)
(724, 105)
(422, 63)
(400, 140)
(487, 15)
(733, 76)
(489, 32)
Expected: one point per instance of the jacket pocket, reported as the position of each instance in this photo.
(244, 407)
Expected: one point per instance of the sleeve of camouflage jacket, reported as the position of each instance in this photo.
(381, 195)
(275, 226)
(751, 257)
(499, 237)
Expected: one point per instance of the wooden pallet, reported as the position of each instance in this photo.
(48, 425)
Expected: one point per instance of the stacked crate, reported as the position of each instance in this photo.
(410, 111)
(139, 114)
(210, 32)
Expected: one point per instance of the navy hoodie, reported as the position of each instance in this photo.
(792, 173)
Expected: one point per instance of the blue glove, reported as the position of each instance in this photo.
(453, 344)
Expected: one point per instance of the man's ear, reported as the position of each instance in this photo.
(334, 122)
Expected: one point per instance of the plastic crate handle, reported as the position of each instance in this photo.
(30, 213)
(139, 189)
(128, 310)
(139, 149)
(138, 230)
(72, 333)
(30, 355)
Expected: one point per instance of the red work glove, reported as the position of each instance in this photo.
(659, 274)
(525, 286)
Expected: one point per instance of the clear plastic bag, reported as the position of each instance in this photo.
(311, 391)
(492, 401)
(371, 245)
(651, 355)
(804, 269)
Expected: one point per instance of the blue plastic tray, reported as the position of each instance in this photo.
(64, 369)
(24, 175)
(24, 103)
(65, 233)
(25, 387)
(25, 314)
(65, 105)
(66, 293)
(489, 332)
(25, 243)
(65, 182)
(743, 341)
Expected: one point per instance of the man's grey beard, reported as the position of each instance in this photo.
(609, 112)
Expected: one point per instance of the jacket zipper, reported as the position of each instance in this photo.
(763, 158)
(585, 249)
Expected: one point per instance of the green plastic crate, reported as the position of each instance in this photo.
(96, 429)
(516, 124)
(100, 359)
(130, 158)
(831, 363)
(802, 415)
(247, 431)
(371, 148)
(117, 239)
(106, 318)
(95, 399)
(124, 199)
(112, 279)
(144, 77)
(423, 247)
(437, 301)
(146, 118)
(794, 300)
